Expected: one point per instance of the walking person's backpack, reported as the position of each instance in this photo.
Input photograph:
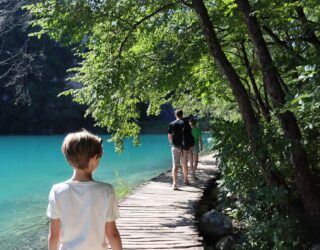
(187, 139)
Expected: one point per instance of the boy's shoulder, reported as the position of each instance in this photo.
(103, 185)
(60, 187)
(68, 184)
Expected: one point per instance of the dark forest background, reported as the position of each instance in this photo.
(32, 74)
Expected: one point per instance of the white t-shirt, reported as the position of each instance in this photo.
(83, 209)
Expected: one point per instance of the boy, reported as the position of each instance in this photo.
(82, 211)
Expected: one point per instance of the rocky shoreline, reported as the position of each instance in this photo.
(214, 226)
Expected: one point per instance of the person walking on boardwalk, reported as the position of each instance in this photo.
(179, 132)
(82, 211)
(198, 146)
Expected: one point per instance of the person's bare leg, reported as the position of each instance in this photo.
(190, 156)
(174, 176)
(196, 160)
(195, 164)
(185, 166)
(176, 157)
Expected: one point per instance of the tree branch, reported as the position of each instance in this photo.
(282, 44)
(186, 3)
(140, 22)
(311, 36)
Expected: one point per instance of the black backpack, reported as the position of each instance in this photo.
(187, 138)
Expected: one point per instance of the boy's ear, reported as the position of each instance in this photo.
(97, 157)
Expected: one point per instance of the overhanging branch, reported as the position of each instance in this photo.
(140, 22)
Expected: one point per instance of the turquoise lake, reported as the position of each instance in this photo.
(31, 164)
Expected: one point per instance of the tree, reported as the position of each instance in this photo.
(272, 81)
(239, 91)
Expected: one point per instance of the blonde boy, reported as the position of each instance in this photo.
(82, 211)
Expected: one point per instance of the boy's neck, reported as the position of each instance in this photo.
(81, 175)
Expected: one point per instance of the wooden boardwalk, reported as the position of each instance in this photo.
(154, 216)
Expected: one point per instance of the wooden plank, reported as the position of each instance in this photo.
(154, 216)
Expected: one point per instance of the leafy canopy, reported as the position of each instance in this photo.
(133, 52)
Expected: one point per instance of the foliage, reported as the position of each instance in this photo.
(134, 61)
(123, 188)
(306, 104)
(260, 211)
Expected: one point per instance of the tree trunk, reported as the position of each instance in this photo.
(246, 110)
(304, 180)
(264, 109)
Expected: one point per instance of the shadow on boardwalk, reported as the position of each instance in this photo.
(154, 216)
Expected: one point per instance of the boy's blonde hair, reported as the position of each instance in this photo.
(80, 147)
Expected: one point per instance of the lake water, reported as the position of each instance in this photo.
(29, 166)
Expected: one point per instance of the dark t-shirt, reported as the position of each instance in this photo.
(181, 134)
(176, 129)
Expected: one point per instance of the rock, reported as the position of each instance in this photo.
(225, 243)
(316, 247)
(215, 224)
